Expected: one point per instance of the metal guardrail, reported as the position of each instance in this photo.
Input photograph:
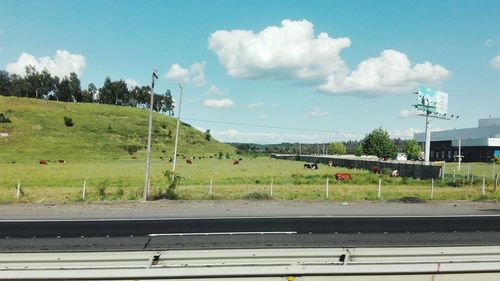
(419, 263)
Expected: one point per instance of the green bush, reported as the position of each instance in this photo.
(4, 119)
(68, 121)
(257, 196)
(101, 189)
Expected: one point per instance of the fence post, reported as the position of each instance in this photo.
(18, 191)
(432, 188)
(493, 170)
(444, 170)
(482, 188)
(468, 172)
(210, 188)
(453, 175)
(379, 186)
(272, 181)
(471, 181)
(84, 188)
(496, 183)
(327, 186)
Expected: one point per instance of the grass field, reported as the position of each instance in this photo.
(124, 180)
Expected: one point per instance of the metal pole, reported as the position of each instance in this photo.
(177, 130)
(427, 138)
(148, 150)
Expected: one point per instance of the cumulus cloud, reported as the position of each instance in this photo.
(407, 113)
(390, 72)
(316, 112)
(404, 133)
(195, 75)
(222, 103)
(491, 42)
(293, 52)
(62, 64)
(232, 135)
(495, 62)
(214, 90)
(131, 83)
(255, 105)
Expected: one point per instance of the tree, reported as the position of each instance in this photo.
(4, 83)
(358, 151)
(412, 150)
(169, 103)
(64, 91)
(207, 135)
(337, 148)
(378, 143)
(75, 88)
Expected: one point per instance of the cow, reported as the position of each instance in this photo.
(343, 176)
(241, 159)
(189, 161)
(312, 166)
(395, 174)
(236, 162)
(42, 162)
(377, 170)
(61, 161)
(307, 166)
(330, 163)
(170, 161)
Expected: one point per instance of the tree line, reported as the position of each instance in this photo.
(44, 85)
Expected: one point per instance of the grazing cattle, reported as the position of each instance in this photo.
(61, 161)
(330, 163)
(42, 162)
(377, 170)
(241, 159)
(312, 166)
(236, 162)
(189, 161)
(343, 176)
(395, 174)
(170, 160)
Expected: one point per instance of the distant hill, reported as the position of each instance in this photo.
(37, 130)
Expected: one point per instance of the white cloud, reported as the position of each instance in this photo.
(131, 83)
(256, 105)
(293, 52)
(194, 75)
(492, 42)
(289, 51)
(262, 117)
(316, 112)
(214, 90)
(495, 62)
(62, 64)
(390, 72)
(404, 133)
(407, 113)
(222, 103)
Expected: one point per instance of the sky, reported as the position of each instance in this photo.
(274, 71)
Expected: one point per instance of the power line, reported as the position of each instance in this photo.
(273, 127)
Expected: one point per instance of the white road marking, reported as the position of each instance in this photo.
(221, 233)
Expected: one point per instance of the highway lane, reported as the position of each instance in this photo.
(299, 225)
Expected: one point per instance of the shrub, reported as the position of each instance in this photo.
(257, 196)
(68, 121)
(173, 180)
(496, 160)
(119, 193)
(101, 189)
(132, 148)
(4, 119)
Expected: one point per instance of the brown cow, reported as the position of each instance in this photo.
(42, 162)
(236, 162)
(189, 161)
(377, 170)
(343, 176)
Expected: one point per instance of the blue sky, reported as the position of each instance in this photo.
(332, 70)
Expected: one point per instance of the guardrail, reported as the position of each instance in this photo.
(410, 169)
(454, 263)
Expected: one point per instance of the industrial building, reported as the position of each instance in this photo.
(479, 144)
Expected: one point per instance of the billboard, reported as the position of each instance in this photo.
(432, 100)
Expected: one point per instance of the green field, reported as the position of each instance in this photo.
(106, 149)
(124, 180)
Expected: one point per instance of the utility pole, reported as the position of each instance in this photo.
(148, 151)
(427, 138)
(177, 130)
(459, 153)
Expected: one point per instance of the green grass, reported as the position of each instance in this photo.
(101, 132)
(123, 179)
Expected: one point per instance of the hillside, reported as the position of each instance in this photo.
(37, 131)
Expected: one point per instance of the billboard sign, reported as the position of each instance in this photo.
(432, 100)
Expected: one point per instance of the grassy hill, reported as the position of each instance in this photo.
(38, 131)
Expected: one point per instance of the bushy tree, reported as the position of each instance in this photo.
(412, 150)
(337, 148)
(378, 143)
(207, 135)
